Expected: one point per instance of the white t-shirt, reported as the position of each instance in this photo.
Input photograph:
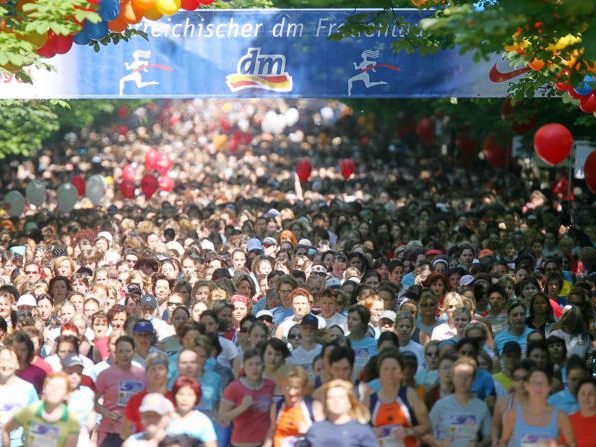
(339, 320)
(304, 358)
(229, 351)
(576, 344)
(443, 332)
(15, 396)
(289, 322)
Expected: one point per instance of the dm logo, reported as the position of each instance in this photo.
(262, 71)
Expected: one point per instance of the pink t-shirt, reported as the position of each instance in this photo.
(252, 425)
(117, 385)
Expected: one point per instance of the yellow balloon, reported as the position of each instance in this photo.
(167, 7)
(152, 14)
(144, 4)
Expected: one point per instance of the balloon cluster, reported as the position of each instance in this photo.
(584, 92)
(116, 16)
(67, 194)
(304, 168)
(154, 161)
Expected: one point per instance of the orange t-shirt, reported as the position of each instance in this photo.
(290, 421)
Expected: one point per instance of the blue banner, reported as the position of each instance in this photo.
(262, 53)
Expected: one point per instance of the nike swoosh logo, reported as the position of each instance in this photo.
(497, 76)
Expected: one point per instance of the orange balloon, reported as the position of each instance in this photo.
(537, 64)
(117, 25)
(152, 14)
(130, 13)
(144, 4)
(419, 3)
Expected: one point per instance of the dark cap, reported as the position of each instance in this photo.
(149, 300)
(310, 320)
(133, 287)
(142, 327)
(511, 348)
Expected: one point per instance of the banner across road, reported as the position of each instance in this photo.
(262, 53)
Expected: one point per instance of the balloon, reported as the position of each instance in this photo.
(81, 38)
(96, 31)
(572, 93)
(347, 167)
(164, 163)
(166, 183)
(122, 130)
(62, 44)
(425, 129)
(190, 5)
(122, 111)
(468, 147)
(96, 189)
(167, 7)
(131, 13)
(109, 9)
(36, 192)
(14, 203)
(497, 154)
(78, 182)
(144, 4)
(127, 188)
(585, 88)
(206, 2)
(152, 14)
(48, 49)
(588, 103)
(149, 185)
(151, 158)
(303, 169)
(117, 25)
(553, 143)
(129, 172)
(67, 197)
(590, 171)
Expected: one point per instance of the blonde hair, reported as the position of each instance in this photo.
(286, 372)
(358, 412)
(452, 297)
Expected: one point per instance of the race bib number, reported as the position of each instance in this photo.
(43, 435)
(463, 427)
(293, 441)
(386, 436)
(530, 440)
(126, 390)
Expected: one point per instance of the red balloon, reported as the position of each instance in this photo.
(164, 163)
(347, 167)
(78, 181)
(425, 129)
(151, 158)
(48, 50)
(590, 171)
(127, 188)
(62, 44)
(468, 147)
(588, 103)
(571, 92)
(149, 185)
(553, 143)
(190, 5)
(303, 169)
(498, 154)
(166, 183)
(122, 111)
(129, 172)
(122, 130)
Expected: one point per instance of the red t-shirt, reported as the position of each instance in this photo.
(583, 427)
(131, 412)
(252, 425)
(102, 344)
(41, 363)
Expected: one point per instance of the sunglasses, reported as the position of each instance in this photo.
(31, 272)
(170, 304)
(426, 305)
(266, 319)
(295, 336)
(521, 378)
(432, 354)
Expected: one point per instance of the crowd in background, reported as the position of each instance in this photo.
(417, 303)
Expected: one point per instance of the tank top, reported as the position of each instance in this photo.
(290, 421)
(391, 415)
(526, 435)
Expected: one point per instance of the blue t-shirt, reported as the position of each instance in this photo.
(564, 401)
(196, 425)
(16, 396)
(350, 434)
(505, 336)
(484, 384)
